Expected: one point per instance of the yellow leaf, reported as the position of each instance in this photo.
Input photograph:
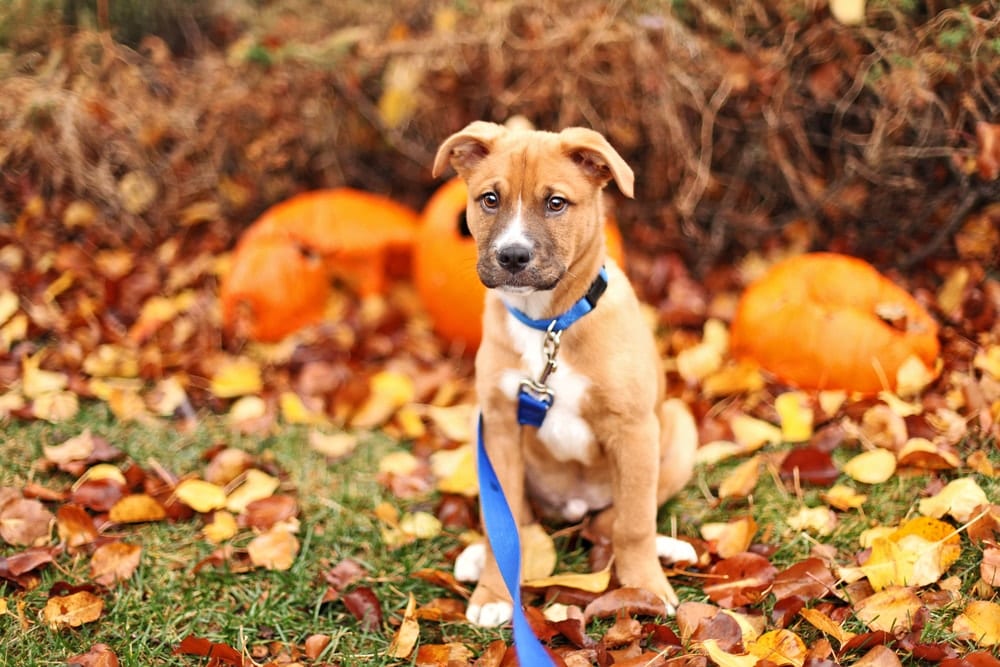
(221, 527)
(892, 610)
(421, 525)
(72, 611)
(455, 470)
(77, 448)
(390, 391)
(539, 552)
(819, 520)
(405, 639)
(56, 406)
(724, 659)
(779, 647)
(698, 362)
(742, 480)
(831, 400)
(400, 83)
(167, 397)
(718, 450)
(989, 360)
(256, 485)
(922, 453)
(796, 416)
(913, 376)
(246, 409)
(979, 623)
(14, 331)
(294, 410)
(410, 422)
(112, 361)
(36, 382)
(871, 467)
(754, 433)
(959, 499)
(201, 496)
(274, 550)
(848, 12)
(899, 406)
(99, 472)
(137, 508)
(592, 582)
(9, 304)
(399, 462)
(334, 446)
(455, 422)
(733, 378)
(237, 377)
(887, 565)
(826, 625)
(843, 497)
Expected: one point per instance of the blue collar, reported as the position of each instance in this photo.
(583, 306)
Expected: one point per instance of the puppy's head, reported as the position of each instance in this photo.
(534, 198)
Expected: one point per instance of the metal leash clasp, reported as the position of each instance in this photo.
(550, 348)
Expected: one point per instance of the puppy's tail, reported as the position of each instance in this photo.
(679, 435)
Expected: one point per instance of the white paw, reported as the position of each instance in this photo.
(671, 610)
(675, 551)
(490, 615)
(470, 563)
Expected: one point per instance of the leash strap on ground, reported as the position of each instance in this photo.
(501, 531)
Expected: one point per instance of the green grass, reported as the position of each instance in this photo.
(146, 617)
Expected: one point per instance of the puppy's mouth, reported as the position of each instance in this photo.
(522, 282)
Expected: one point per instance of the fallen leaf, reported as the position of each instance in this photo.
(879, 656)
(26, 522)
(809, 465)
(631, 601)
(390, 391)
(979, 623)
(591, 582)
(235, 377)
(729, 539)
(77, 448)
(539, 552)
(455, 470)
(137, 508)
(826, 625)
(114, 561)
(989, 567)
(405, 639)
(201, 496)
(334, 446)
(295, 411)
(808, 579)
(56, 406)
(436, 655)
(456, 422)
(217, 652)
(960, 499)
(99, 655)
(75, 526)
(221, 527)
(796, 416)
(256, 484)
(315, 645)
(72, 611)
(754, 433)
(871, 467)
(818, 520)
(779, 647)
(843, 497)
(922, 453)
(274, 550)
(724, 659)
(892, 609)
(37, 382)
(365, 607)
(742, 480)
(739, 580)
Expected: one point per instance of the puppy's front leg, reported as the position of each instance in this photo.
(490, 604)
(634, 454)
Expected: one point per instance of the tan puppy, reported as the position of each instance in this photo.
(609, 440)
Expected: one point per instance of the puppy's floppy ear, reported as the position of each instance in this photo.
(467, 147)
(597, 158)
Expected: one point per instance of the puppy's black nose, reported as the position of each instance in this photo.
(514, 257)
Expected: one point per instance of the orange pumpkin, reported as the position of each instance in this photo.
(814, 321)
(356, 236)
(444, 265)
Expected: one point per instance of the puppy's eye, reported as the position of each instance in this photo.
(556, 204)
(490, 201)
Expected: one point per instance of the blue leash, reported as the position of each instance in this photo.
(534, 401)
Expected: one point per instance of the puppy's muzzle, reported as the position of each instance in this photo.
(515, 257)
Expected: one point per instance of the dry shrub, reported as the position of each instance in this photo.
(739, 118)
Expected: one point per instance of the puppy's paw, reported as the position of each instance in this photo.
(470, 563)
(490, 615)
(673, 550)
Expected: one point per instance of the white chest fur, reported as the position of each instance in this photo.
(564, 432)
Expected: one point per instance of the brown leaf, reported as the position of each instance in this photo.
(218, 653)
(442, 655)
(99, 655)
(974, 659)
(988, 158)
(444, 579)
(76, 528)
(25, 522)
(628, 600)
(810, 466)
(343, 574)
(364, 606)
(114, 561)
(879, 656)
(442, 609)
(264, 513)
(315, 645)
(493, 655)
(808, 579)
(72, 610)
(989, 568)
(740, 580)
(99, 495)
(405, 639)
